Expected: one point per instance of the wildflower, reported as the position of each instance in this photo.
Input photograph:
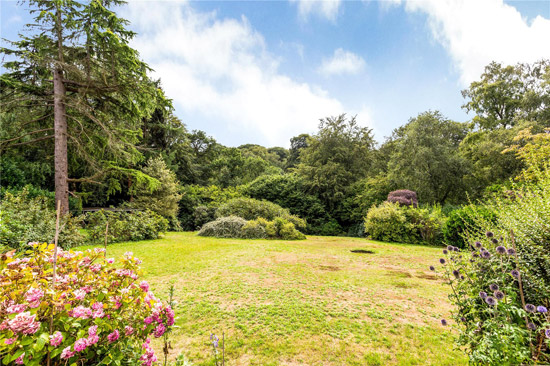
(144, 286)
(494, 240)
(113, 336)
(449, 247)
(128, 330)
(56, 339)
(441, 260)
(432, 268)
(80, 344)
(214, 338)
(493, 287)
(542, 309)
(531, 326)
(547, 333)
(499, 295)
(515, 273)
(501, 250)
(485, 254)
(530, 308)
(511, 251)
(456, 273)
(489, 234)
(33, 296)
(445, 251)
(66, 353)
(443, 322)
(159, 330)
(490, 301)
(478, 244)
(24, 323)
(483, 295)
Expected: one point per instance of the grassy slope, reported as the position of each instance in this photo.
(308, 302)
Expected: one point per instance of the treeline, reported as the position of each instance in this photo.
(125, 147)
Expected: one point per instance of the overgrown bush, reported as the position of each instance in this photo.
(403, 197)
(462, 221)
(501, 283)
(254, 229)
(251, 209)
(125, 226)
(25, 219)
(405, 224)
(203, 214)
(224, 227)
(96, 313)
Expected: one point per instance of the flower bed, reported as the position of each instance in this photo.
(96, 313)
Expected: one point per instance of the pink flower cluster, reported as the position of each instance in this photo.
(148, 357)
(113, 336)
(33, 296)
(81, 312)
(24, 323)
(56, 339)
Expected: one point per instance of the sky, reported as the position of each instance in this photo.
(264, 71)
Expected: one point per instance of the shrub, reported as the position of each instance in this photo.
(25, 219)
(425, 224)
(125, 226)
(461, 221)
(94, 314)
(403, 197)
(224, 227)
(203, 214)
(502, 283)
(251, 209)
(253, 229)
(287, 231)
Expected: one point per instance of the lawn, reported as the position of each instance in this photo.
(311, 302)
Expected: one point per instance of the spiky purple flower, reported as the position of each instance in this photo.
(499, 295)
(501, 250)
(515, 273)
(530, 308)
(542, 309)
(493, 287)
(547, 333)
(511, 251)
(445, 251)
(456, 249)
(485, 254)
(449, 247)
(489, 234)
(456, 273)
(462, 277)
(483, 295)
(531, 326)
(443, 322)
(490, 301)
(478, 244)
(494, 240)
(441, 260)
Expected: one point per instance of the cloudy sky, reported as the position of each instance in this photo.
(264, 71)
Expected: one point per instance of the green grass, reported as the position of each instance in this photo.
(310, 302)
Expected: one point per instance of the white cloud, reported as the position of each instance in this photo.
(220, 69)
(324, 8)
(476, 32)
(342, 62)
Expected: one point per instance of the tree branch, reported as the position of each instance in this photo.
(29, 133)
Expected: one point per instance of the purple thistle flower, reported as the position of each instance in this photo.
(445, 251)
(485, 254)
(456, 273)
(456, 249)
(432, 268)
(494, 240)
(542, 309)
(443, 322)
(499, 295)
(478, 244)
(547, 333)
(483, 295)
(463, 319)
(449, 247)
(530, 308)
(511, 251)
(489, 234)
(462, 277)
(441, 260)
(515, 273)
(501, 250)
(475, 255)
(531, 326)
(490, 301)
(493, 287)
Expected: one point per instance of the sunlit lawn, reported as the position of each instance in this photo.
(311, 302)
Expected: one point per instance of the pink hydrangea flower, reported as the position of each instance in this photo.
(113, 336)
(80, 344)
(97, 305)
(159, 330)
(9, 341)
(79, 294)
(56, 339)
(128, 330)
(67, 353)
(92, 330)
(98, 314)
(17, 308)
(81, 312)
(19, 360)
(148, 357)
(33, 296)
(93, 339)
(24, 323)
(144, 286)
(148, 320)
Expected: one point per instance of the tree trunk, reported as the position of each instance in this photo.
(60, 125)
(60, 136)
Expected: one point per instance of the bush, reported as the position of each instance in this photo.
(502, 284)
(203, 214)
(251, 209)
(254, 229)
(125, 226)
(25, 219)
(224, 227)
(403, 197)
(103, 314)
(425, 224)
(461, 221)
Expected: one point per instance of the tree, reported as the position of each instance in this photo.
(425, 158)
(86, 88)
(297, 144)
(336, 157)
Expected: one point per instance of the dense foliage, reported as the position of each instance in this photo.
(259, 228)
(102, 313)
(461, 222)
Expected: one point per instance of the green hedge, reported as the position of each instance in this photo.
(237, 227)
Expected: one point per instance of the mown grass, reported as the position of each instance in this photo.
(311, 302)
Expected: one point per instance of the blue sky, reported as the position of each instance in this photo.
(264, 71)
